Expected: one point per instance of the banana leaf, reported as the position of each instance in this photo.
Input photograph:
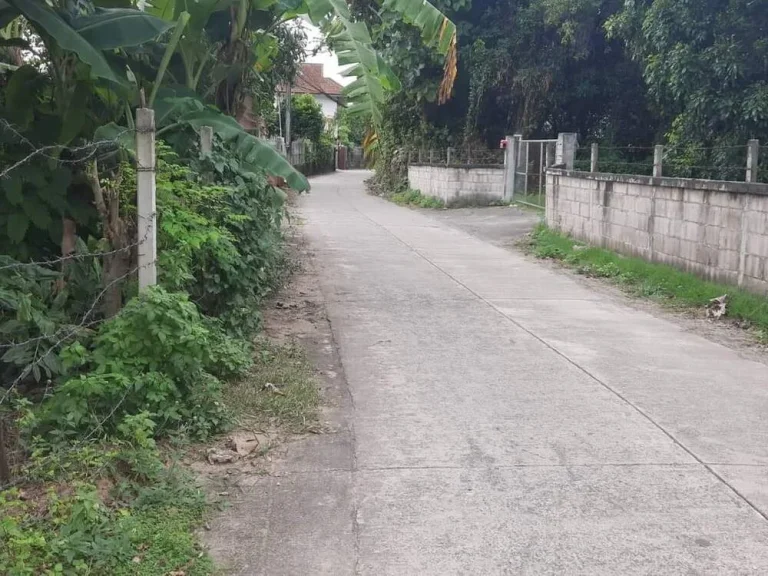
(107, 29)
(41, 16)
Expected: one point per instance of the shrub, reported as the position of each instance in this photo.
(221, 243)
(157, 356)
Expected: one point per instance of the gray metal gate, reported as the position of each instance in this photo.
(532, 158)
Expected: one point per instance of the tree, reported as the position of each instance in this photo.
(351, 129)
(307, 120)
(705, 64)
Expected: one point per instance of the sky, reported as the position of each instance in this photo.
(331, 67)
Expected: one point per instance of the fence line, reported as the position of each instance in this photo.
(727, 163)
(27, 360)
(456, 156)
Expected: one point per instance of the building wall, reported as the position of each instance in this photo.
(329, 105)
(718, 230)
(453, 183)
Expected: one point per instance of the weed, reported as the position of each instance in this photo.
(101, 508)
(280, 389)
(415, 198)
(663, 283)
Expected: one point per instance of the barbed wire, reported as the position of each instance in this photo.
(92, 147)
(71, 330)
(58, 454)
(82, 256)
(36, 359)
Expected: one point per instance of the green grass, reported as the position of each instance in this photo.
(279, 391)
(126, 508)
(416, 198)
(100, 508)
(165, 541)
(660, 282)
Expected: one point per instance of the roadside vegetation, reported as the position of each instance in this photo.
(415, 198)
(100, 385)
(664, 284)
(278, 392)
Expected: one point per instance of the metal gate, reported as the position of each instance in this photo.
(533, 157)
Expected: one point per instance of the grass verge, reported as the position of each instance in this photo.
(126, 507)
(416, 198)
(660, 282)
(279, 392)
(102, 508)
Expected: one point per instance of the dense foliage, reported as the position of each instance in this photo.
(307, 120)
(93, 373)
(688, 74)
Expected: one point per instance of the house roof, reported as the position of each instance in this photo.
(311, 80)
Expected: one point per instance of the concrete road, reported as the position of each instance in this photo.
(503, 419)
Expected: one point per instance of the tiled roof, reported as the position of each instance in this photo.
(310, 80)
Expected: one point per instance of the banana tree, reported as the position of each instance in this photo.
(231, 31)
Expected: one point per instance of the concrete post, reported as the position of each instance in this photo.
(145, 197)
(565, 153)
(550, 154)
(593, 158)
(431, 156)
(510, 166)
(421, 154)
(448, 154)
(288, 106)
(753, 159)
(658, 160)
(206, 140)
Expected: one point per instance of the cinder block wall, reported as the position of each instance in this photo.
(450, 183)
(716, 229)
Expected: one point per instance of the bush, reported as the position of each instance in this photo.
(307, 120)
(158, 356)
(223, 241)
(415, 198)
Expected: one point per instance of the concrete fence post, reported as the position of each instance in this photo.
(565, 153)
(550, 154)
(658, 161)
(510, 165)
(448, 154)
(753, 159)
(145, 197)
(421, 155)
(206, 140)
(593, 158)
(431, 156)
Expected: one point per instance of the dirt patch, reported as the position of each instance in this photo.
(295, 322)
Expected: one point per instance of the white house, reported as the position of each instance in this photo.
(326, 91)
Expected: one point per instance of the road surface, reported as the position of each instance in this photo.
(504, 419)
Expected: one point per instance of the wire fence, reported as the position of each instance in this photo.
(458, 156)
(58, 291)
(726, 163)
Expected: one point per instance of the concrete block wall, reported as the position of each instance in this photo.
(718, 230)
(451, 183)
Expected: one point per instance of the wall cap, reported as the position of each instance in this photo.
(465, 166)
(756, 188)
